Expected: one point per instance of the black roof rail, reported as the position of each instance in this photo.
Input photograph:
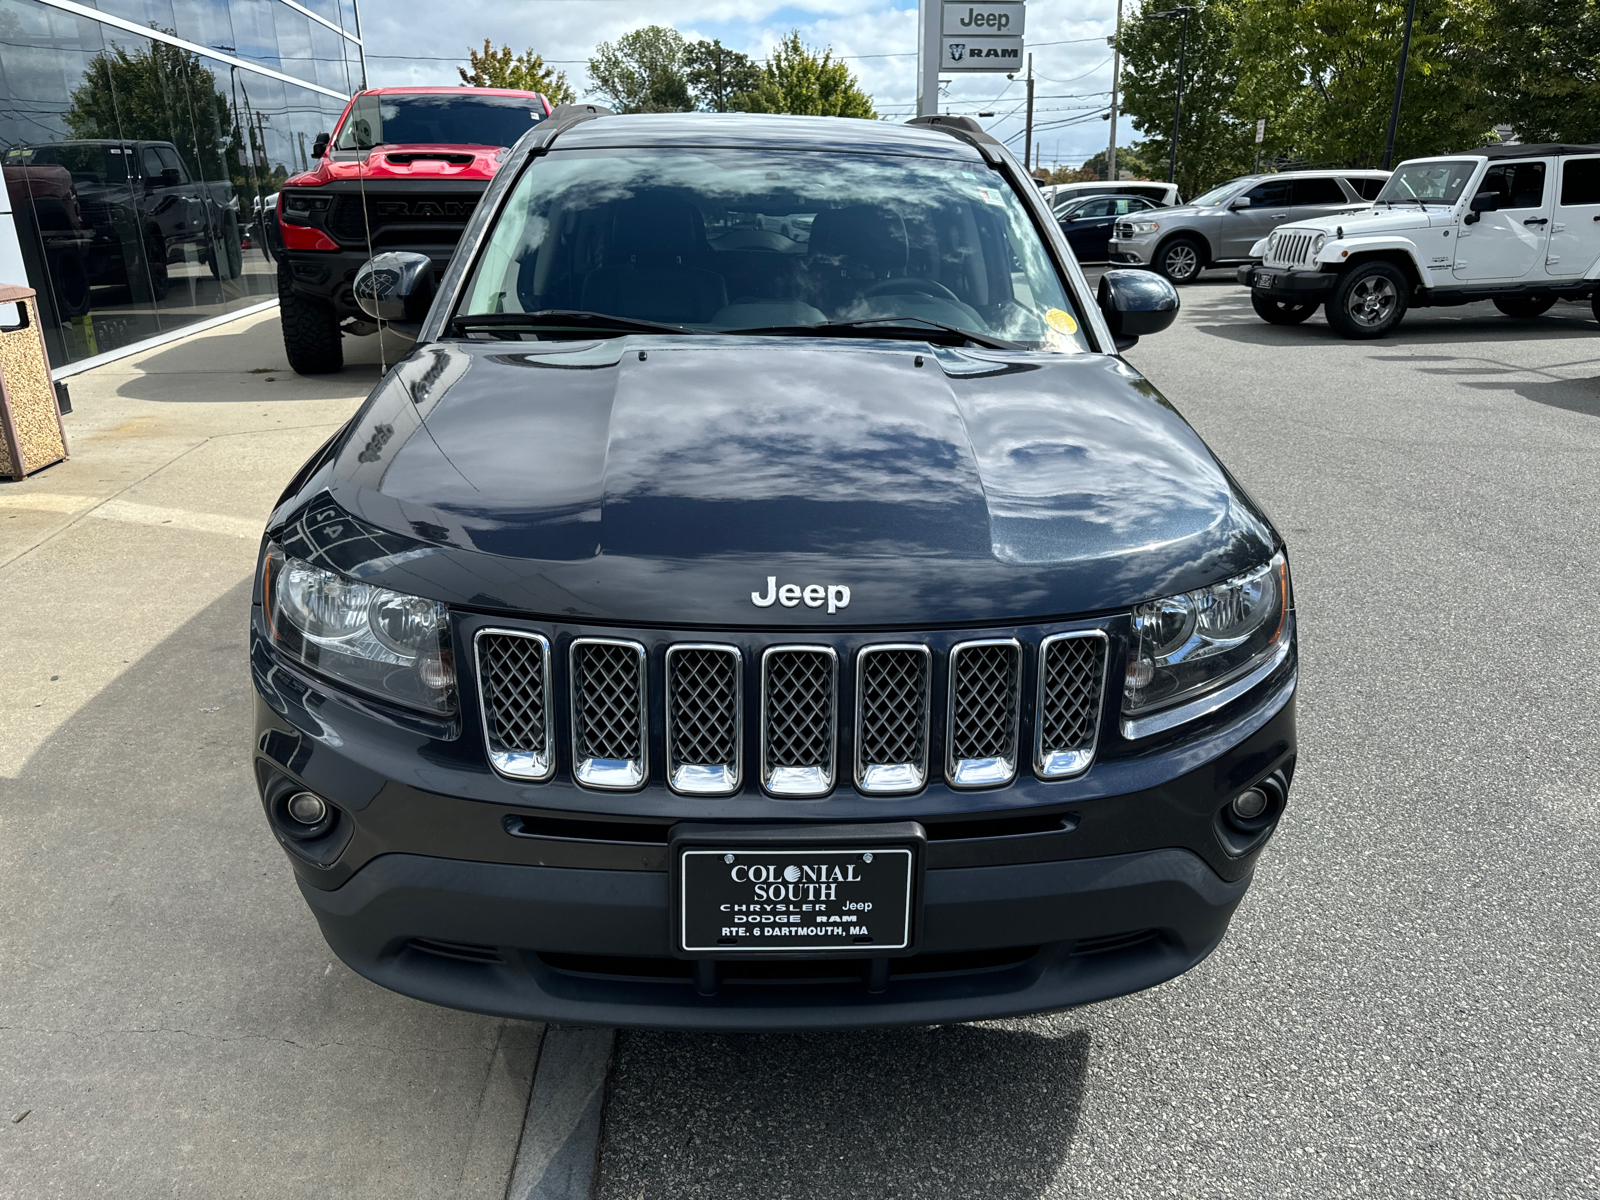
(966, 129)
(571, 114)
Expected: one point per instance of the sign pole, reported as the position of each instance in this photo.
(930, 15)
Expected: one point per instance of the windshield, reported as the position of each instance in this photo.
(726, 239)
(88, 163)
(438, 119)
(1218, 194)
(1429, 182)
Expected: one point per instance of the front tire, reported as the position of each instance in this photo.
(1181, 260)
(227, 253)
(1524, 307)
(1369, 301)
(311, 336)
(1280, 312)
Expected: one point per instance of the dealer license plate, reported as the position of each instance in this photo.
(735, 900)
(1265, 279)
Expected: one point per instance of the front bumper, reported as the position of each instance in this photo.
(330, 275)
(1132, 251)
(446, 882)
(1282, 283)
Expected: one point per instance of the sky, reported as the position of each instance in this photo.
(1071, 61)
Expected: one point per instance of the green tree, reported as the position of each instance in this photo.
(796, 80)
(1213, 143)
(1322, 74)
(718, 76)
(159, 93)
(642, 71)
(1127, 160)
(1544, 64)
(525, 72)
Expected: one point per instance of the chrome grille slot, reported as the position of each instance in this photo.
(1072, 671)
(514, 699)
(985, 688)
(892, 718)
(609, 733)
(1288, 249)
(704, 728)
(798, 720)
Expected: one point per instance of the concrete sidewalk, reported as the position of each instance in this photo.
(170, 1019)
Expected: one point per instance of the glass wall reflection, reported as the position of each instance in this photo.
(139, 170)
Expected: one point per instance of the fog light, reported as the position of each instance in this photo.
(1246, 805)
(309, 809)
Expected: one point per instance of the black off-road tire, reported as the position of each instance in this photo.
(69, 284)
(1524, 307)
(1369, 301)
(1594, 305)
(1181, 260)
(1280, 312)
(311, 336)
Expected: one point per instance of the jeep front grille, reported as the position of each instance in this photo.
(1072, 671)
(1288, 250)
(704, 730)
(514, 696)
(609, 727)
(892, 684)
(985, 690)
(798, 720)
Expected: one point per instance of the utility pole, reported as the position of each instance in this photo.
(1399, 86)
(1027, 137)
(1116, 75)
(1181, 12)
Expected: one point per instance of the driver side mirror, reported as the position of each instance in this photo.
(1481, 203)
(320, 146)
(1135, 304)
(1241, 202)
(396, 286)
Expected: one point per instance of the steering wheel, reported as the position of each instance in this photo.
(911, 283)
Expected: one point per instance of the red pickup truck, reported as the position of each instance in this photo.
(402, 170)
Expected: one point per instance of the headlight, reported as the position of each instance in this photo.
(1185, 646)
(386, 643)
(1140, 228)
(1317, 243)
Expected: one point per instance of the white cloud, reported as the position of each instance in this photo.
(879, 37)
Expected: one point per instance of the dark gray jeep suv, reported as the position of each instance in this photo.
(709, 627)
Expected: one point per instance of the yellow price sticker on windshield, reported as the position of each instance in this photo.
(1061, 321)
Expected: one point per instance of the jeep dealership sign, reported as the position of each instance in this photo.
(981, 37)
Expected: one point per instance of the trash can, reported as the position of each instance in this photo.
(31, 433)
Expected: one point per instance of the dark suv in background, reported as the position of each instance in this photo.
(1218, 228)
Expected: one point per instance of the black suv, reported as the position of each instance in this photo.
(711, 627)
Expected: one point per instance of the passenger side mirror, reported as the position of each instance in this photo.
(1135, 304)
(396, 286)
(1481, 203)
(320, 146)
(1241, 202)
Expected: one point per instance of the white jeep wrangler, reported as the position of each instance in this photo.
(1518, 225)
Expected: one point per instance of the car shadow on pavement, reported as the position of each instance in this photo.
(255, 352)
(958, 1111)
(1418, 331)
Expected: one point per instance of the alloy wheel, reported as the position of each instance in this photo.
(1372, 300)
(1182, 262)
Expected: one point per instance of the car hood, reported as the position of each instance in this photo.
(1367, 222)
(430, 161)
(663, 480)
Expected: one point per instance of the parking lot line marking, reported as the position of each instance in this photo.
(560, 1145)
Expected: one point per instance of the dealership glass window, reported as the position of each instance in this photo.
(90, 118)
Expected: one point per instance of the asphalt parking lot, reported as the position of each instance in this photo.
(1406, 1004)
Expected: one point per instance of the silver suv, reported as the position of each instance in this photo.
(1220, 227)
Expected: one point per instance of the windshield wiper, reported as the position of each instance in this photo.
(918, 328)
(577, 319)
